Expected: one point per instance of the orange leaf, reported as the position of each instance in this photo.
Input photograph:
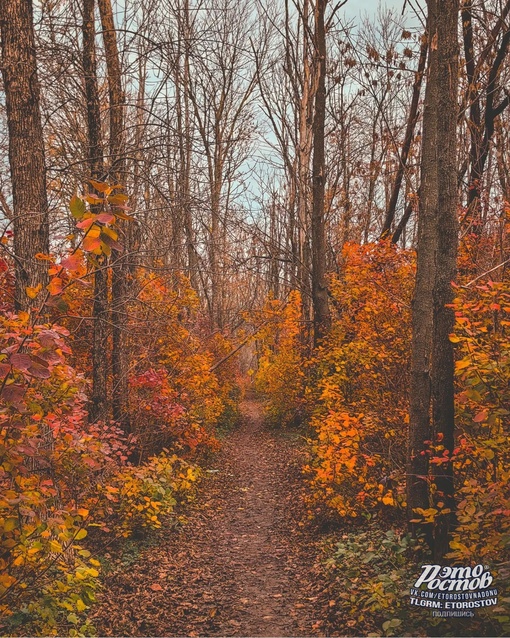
(121, 215)
(73, 262)
(101, 187)
(91, 243)
(93, 199)
(32, 292)
(55, 286)
(156, 587)
(119, 199)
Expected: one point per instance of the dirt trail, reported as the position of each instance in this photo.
(243, 565)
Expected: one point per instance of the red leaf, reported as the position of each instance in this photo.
(48, 339)
(86, 223)
(21, 361)
(73, 262)
(109, 241)
(50, 356)
(92, 463)
(5, 368)
(481, 416)
(40, 361)
(39, 371)
(105, 218)
(13, 394)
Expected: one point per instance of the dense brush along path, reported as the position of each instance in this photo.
(244, 564)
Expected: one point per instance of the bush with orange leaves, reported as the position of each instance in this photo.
(280, 376)
(359, 393)
(482, 455)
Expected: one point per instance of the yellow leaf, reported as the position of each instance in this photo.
(80, 605)
(10, 524)
(55, 546)
(81, 534)
(32, 292)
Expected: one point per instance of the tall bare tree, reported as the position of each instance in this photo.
(321, 316)
(98, 408)
(120, 267)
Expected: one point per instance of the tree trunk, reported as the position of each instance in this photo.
(432, 390)
(98, 408)
(443, 393)
(120, 261)
(185, 149)
(422, 308)
(26, 148)
(321, 316)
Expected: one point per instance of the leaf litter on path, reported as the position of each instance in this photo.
(244, 564)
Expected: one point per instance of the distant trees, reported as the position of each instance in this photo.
(484, 100)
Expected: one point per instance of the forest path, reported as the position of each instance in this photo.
(243, 565)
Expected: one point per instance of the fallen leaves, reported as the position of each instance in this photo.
(240, 564)
(156, 587)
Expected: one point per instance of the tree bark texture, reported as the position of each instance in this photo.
(98, 407)
(26, 148)
(120, 260)
(443, 394)
(321, 315)
(418, 493)
(432, 389)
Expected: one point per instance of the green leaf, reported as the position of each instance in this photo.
(77, 207)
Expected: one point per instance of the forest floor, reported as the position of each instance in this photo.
(244, 564)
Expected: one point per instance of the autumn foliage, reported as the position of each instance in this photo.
(353, 393)
(68, 484)
(280, 376)
(360, 392)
